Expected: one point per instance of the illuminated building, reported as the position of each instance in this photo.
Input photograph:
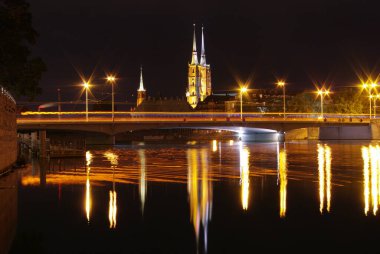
(199, 76)
(141, 93)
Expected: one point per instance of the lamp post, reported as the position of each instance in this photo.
(86, 87)
(282, 84)
(373, 86)
(242, 90)
(111, 79)
(59, 103)
(322, 92)
(375, 97)
(369, 89)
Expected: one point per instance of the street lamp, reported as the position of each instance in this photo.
(111, 79)
(243, 89)
(86, 87)
(373, 86)
(59, 103)
(281, 83)
(322, 92)
(369, 88)
(375, 97)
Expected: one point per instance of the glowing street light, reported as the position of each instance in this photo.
(281, 83)
(243, 89)
(111, 79)
(86, 87)
(322, 92)
(369, 89)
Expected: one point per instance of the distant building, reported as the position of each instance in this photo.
(199, 76)
(217, 103)
(255, 100)
(141, 93)
(164, 105)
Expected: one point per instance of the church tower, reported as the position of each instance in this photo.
(141, 93)
(199, 75)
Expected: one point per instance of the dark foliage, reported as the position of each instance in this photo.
(20, 72)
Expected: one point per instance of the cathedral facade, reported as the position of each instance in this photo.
(199, 75)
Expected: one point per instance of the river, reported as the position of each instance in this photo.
(201, 197)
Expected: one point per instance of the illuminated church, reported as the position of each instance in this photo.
(199, 76)
(141, 92)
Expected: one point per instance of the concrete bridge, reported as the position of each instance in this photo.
(250, 126)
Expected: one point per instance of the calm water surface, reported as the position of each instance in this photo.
(214, 197)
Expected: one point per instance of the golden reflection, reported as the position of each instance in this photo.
(373, 152)
(328, 176)
(112, 157)
(214, 146)
(365, 156)
(143, 184)
(371, 174)
(283, 177)
(200, 192)
(88, 202)
(112, 211)
(231, 142)
(112, 207)
(244, 176)
(324, 175)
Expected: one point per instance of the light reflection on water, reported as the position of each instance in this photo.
(88, 201)
(200, 193)
(324, 173)
(244, 175)
(143, 181)
(282, 171)
(112, 210)
(246, 172)
(371, 174)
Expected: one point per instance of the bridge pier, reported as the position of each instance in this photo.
(42, 139)
(43, 162)
(34, 142)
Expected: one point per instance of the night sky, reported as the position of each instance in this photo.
(333, 42)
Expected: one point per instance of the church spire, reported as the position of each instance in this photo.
(141, 88)
(203, 53)
(194, 58)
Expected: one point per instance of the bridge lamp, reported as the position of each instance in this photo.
(369, 88)
(86, 86)
(281, 83)
(111, 80)
(322, 92)
(373, 86)
(375, 97)
(243, 89)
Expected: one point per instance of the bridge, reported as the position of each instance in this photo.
(247, 124)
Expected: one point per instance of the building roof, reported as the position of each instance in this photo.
(164, 105)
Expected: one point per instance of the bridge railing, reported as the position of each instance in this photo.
(225, 116)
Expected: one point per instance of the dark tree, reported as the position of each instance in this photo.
(350, 101)
(20, 72)
(305, 102)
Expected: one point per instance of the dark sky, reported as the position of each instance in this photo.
(305, 41)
